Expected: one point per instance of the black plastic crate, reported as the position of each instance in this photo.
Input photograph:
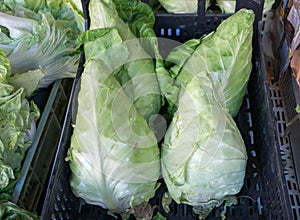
(265, 191)
(288, 155)
(38, 160)
(289, 139)
(181, 27)
(291, 93)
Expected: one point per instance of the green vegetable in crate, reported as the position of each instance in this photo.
(133, 20)
(226, 6)
(41, 36)
(10, 211)
(180, 6)
(268, 5)
(203, 154)
(17, 121)
(225, 54)
(113, 155)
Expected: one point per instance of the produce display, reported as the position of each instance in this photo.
(115, 154)
(119, 153)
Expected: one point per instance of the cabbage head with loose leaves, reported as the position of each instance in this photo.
(114, 157)
(203, 154)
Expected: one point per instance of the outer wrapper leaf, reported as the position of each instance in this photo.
(113, 156)
(224, 54)
(125, 174)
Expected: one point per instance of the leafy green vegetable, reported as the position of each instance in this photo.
(4, 66)
(10, 211)
(268, 5)
(180, 55)
(6, 173)
(17, 118)
(203, 154)
(226, 6)
(180, 6)
(113, 155)
(224, 54)
(133, 20)
(41, 35)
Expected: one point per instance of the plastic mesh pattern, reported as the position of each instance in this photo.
(285, 150)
